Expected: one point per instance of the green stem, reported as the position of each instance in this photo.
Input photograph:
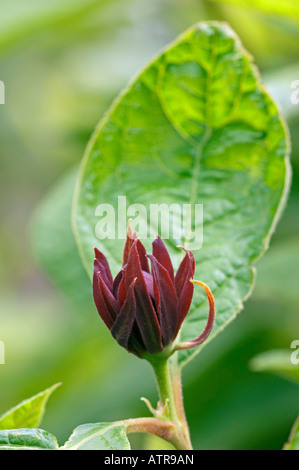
(170, 394)
(164, 384)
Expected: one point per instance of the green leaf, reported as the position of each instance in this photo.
(99, 436)
(278, 362)
(28, 413)
(287, 8)
(195, 127)
(27, 439)
(293, 443)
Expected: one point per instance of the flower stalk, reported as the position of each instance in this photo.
(165, 390)
(170, 395)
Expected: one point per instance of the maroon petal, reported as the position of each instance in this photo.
(162, 256)
(122, 327)
(142, 256)
(185, 301)
(166, 301)
(185, 271)
(184, 288)
(104, 268)
(146, 317)
(100, 302)
(148, 279)
(131, 237)
(116, 283)
(122, 291)
(109, 298)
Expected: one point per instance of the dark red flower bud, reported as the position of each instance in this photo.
(144, 309)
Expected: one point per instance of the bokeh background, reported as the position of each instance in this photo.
(62, 63)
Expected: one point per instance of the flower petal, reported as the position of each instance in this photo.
(116, 284)
(146, 317)
(109, 298)
(122, 291)
(104, 268)
(166, 301)
(131, 237)
(185, 271)
(142, 256)
(184, 288)
(100, 302)
(161, 254)
(148, 279)
(122, 327)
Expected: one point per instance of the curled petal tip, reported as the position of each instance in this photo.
(210, 322)
(199, 283)
(186, 250)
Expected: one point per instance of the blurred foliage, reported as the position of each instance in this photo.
(62, 66)
(293, 443)
(278, 362)
(288, 8)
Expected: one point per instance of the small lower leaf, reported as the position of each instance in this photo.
(98, 436)
(28, 413)
(27, 439)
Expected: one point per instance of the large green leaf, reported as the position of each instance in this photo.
(293, 443)
(278, 362)
(195, 126)
(27, 439)
(99, 436)
(28, 413)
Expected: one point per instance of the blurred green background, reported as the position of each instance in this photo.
(62, 63)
